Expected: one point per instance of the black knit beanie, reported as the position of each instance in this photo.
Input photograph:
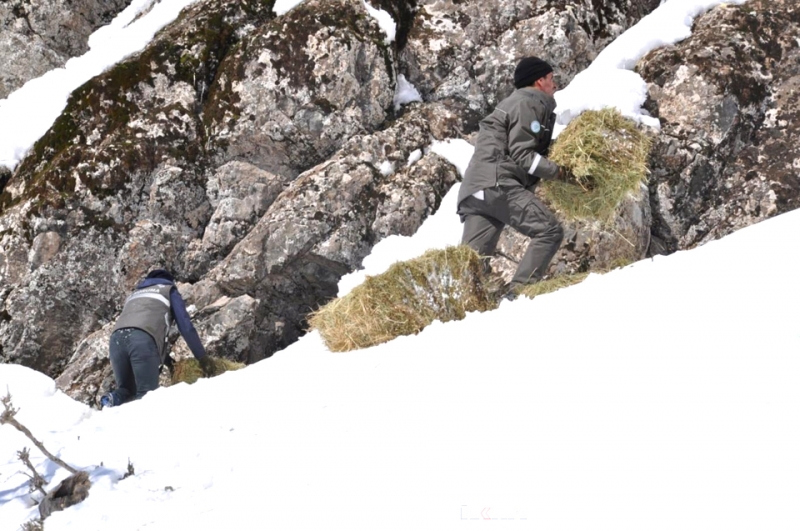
(529, 70)
(160, 273)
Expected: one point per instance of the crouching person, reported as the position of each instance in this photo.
(139, 341)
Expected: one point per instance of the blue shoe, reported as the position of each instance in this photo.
(107, 401)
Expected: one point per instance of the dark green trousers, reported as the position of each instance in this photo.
(509, 203)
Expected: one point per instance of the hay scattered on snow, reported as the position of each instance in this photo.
(189, 371)
(608, 155)
(564, 281)
(441, 284)
(552, 284)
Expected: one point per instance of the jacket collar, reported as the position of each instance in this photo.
(535, 93)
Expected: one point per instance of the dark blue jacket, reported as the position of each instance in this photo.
(181, 316)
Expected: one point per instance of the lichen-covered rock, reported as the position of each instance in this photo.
(88, 375)
(138, 125)
(466, 51)
(327, 220)
(240, 194)
(300, 86)
(39, 35)
(115, 188)
(727, 98)
(61, 301)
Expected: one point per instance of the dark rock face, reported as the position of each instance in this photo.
(37, 36)
(727, 99)
(69, 492)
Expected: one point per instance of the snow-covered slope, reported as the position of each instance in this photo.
(660, 396)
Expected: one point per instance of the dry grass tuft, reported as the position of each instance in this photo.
(441, 284)
(189, 371)
(552, 284)
(564, 281)
(608, 155)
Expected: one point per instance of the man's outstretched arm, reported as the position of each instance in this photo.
(185, 326)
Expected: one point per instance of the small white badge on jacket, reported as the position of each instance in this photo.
(536, 126)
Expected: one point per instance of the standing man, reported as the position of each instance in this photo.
(139, 342)
(509, 161)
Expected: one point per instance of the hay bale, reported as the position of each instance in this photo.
(188, 370)
(552, 284)
(608, 155)
(441, 284)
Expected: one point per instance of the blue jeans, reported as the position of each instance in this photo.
(135, 362)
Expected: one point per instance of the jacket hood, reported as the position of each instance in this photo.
(153, 281)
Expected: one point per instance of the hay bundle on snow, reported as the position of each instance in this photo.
(608, 155)
(189, 371)
(441, 284)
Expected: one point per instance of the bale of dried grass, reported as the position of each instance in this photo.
(608, 155)
(441, 284)
(189, 371)
(552, 284)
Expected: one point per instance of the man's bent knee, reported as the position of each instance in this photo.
(555, 232)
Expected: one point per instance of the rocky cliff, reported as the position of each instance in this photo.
(260, 157)
(39, 35)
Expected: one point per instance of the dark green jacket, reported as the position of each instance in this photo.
(512, 142)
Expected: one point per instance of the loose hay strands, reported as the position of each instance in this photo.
(189, 371)
(564, 281)
(552, 284)
(603, 149)
(441, 284)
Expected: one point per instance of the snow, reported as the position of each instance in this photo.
(610, 82)
(662, 395)
(34, 107)
(658, 396)
(282, 7)
(456, 151)
(405, 92)
(385, 21)
(414, 157)
(386, 168)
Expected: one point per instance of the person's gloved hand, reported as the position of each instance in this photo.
(207, 366)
